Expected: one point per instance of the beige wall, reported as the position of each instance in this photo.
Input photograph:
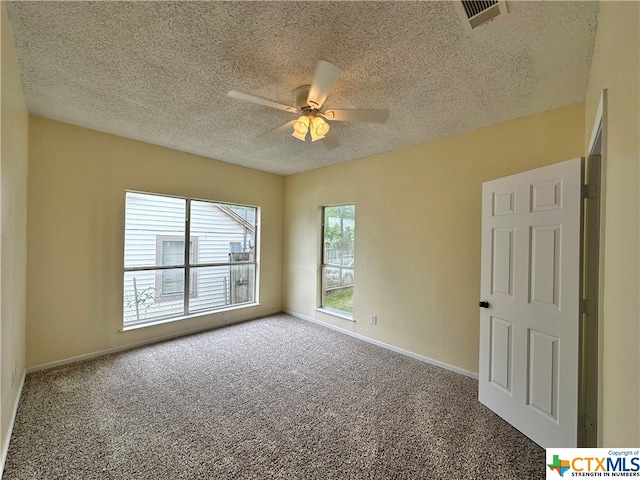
(77, 181)
(615, 67)
(418, 220)
(13, 230)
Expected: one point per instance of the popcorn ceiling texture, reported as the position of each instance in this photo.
(160, 72)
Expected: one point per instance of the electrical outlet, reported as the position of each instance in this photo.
(225, 317)
(373, 320)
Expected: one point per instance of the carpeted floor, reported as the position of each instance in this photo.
(272, 398)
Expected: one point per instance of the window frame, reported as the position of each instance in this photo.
(190, 265)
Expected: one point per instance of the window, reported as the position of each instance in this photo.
(161, 232)
(170, 251)
(338, 258)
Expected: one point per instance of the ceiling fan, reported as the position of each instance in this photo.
(309, 105)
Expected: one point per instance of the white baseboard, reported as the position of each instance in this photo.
(388, 346)
(7, 440)
(130, 346)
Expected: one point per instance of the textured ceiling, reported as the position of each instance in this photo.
(160, 72)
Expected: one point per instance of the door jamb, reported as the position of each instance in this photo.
(590, 405)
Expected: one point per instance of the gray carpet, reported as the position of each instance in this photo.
(276, 397)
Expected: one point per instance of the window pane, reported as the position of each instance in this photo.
(338, 254)
(218, 287)
(143, 299)
(339, 235)
(212, 284)
(223, 229)
(172, 282)
(148, 217)
(242, 283)
(173, 252)
(336, 292)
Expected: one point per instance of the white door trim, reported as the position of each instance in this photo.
(601, 126)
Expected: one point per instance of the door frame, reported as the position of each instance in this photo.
(591, 325)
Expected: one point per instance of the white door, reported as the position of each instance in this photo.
(530, 289)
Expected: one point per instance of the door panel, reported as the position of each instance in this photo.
(545, 265)
(501, 353)
(502, 265)
(542, 391)
(530, 278)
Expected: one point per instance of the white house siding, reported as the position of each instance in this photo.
(213, 228)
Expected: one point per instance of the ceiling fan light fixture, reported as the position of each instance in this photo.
(300, 128)
(299, 136)
(319, 128)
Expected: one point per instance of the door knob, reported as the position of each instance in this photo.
(483, 304)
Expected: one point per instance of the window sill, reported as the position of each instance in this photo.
(336, 313)
(188, 317)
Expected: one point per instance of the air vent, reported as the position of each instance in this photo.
(475, 13)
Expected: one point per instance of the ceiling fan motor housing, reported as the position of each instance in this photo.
(300, 96)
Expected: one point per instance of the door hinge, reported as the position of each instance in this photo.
(589, 191)
(586, 423)
(588, 307)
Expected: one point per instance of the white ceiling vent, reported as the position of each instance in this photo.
(478, 12)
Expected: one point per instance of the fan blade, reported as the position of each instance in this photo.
(330, 141)
(275, 131)
(261, 101)
(364, 115)
(324, 78)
